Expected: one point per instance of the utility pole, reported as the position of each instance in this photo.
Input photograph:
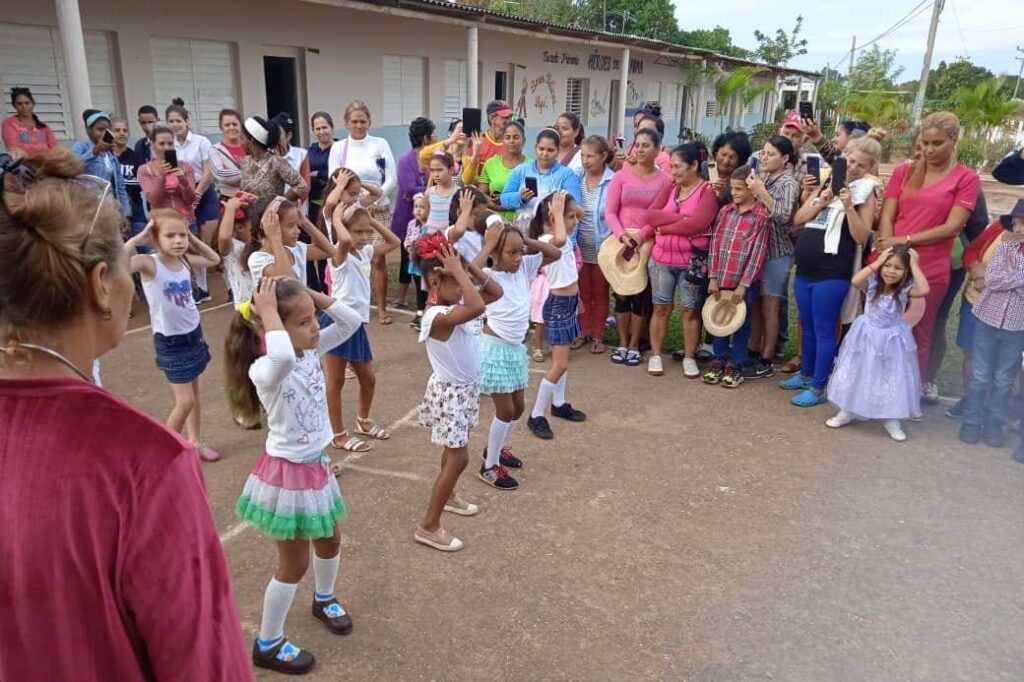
(927, 66)
(849, 74)
(1019, 72)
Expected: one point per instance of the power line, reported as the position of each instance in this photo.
(959, 30)
(919, 9)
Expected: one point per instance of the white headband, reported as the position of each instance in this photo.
(494, 219)
(258, 132)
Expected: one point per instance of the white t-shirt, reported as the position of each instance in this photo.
(239, 280)
(562, 272)
(195, 150)
(456, 360)
(259, 260)
(471, 244)
(509, 316)
(363, 157)
(350, 281)
(293, 391)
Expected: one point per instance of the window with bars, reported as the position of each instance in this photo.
(454, 88)
(576, 94)
(670, 105)
(201, 72)
(402, 80)
(711, 109)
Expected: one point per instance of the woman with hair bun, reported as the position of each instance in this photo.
(105, 517)
(266, 173)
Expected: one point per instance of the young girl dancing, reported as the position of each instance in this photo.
(876, 375)
(290, 494)
(555, 220)
(181, 352)
(350, 267)
(416, 228)
(275, 249)
(451, 404)
(504, 365)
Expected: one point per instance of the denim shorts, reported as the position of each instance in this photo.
(667, 280)
(965, 328)
(775, 276)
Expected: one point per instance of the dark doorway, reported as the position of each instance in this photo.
(282, 83)
(501, 85)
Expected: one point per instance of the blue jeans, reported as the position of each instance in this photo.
(739, 340)
(820, 304)
(995, 363)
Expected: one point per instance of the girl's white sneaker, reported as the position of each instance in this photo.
(841, 419)
(895, 430)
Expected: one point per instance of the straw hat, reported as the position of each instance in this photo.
(721, 317)
(626, 277)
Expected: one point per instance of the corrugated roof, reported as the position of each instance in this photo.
(485, 16)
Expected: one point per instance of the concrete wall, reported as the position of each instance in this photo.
(342, 50)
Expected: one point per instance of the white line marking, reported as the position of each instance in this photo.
(203, 310)
(408, 476)
(233, 532)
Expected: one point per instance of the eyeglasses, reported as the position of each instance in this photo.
(101, 187)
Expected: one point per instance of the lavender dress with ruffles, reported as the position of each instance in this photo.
(876, 375)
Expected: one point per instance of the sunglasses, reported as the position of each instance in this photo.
(100, 187)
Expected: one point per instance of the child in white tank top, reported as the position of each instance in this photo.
(452, 401)
(181, 351)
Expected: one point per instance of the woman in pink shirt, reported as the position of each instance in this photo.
(168, 186)
(682, 232)
(111, 564)
(634, 190)
(24, 134)
(927, 203)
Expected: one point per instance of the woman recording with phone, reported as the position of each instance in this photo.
(97, 155)
(166, 181)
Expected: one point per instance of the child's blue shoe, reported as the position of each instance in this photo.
(808, 398)
(797, 382)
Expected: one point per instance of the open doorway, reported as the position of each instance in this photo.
(280, 75)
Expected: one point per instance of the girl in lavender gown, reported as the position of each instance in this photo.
(876, 375)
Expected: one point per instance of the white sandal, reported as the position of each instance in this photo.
(375, 431)
(353, 444)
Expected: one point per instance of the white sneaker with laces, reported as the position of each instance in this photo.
(690, 368)
(895, 430)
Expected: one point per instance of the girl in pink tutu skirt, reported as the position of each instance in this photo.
(876, 375)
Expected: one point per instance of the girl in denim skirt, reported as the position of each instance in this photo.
(504, 366)
(555, 220)
(181, 351)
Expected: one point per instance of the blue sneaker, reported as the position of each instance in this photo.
(797, 382)
(808, 398)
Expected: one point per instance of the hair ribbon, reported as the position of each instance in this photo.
(245, 310)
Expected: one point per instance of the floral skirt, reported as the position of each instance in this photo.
(450, 411)
(291, 500)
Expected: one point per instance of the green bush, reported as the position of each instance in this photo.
(971, 153)
(760, 134)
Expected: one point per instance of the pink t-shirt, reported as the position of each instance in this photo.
(33, 140)
(630, 197)
(110, 564)
(928, 207)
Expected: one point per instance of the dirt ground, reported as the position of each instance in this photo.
(683, 532)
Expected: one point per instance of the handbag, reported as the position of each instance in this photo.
(697, 270)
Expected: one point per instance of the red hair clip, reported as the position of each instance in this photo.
(430, 246)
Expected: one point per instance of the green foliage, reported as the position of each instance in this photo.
(781, 47)
(982, 109)
(971, 153)
(653, 19)
(717, 39)
(760, 134)
(874, 70)
(946, 79)
(736, 89)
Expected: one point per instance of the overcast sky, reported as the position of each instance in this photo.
(989, 30)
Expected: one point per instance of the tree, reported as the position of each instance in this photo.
(648, 18)
(874, 71)
(735, 90)
(947, 79)
(779, 49)
(717, 40)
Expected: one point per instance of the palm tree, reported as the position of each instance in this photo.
(982, 111)
(732, 88)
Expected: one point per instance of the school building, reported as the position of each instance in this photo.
(404, 58)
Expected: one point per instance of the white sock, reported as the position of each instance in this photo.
(277, 602)
(842, 418)
(494, 441)
(544, 393)
(559, 397)
(201, 279)
(508, 432)
(325, 574)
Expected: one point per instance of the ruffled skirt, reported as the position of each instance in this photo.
(292, 501)
(504, 366)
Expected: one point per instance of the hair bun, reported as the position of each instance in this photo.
(178, 101)
(877, 134)
(58, 162)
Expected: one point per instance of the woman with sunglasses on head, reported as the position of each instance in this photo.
(106, 521)
(24, 133)
(97, 155)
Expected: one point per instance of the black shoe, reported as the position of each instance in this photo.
(567, 411)
(957, 410)
(302, 663)
(970, 434)
(497, 477)
(760, 369)
(539, 427)
(702, 355)
(993, 435)
(506, 459)
(201, 296)
(336, 620)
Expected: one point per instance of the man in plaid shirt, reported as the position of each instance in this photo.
(739, 244)
(998, 339)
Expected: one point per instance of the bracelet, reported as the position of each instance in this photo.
(486, 280)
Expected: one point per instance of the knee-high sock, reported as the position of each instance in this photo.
(495, 440)
(277, 602)
(325, 573)
(201, 279)
(559, 396)
(508, 432)
(544, 393)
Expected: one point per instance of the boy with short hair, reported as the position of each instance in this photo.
(998, 338)
(739, 243)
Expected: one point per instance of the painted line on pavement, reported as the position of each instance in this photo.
(201, 311)
(406, 475)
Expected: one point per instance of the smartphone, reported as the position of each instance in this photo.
(814, 168)
(531, 184)
(472, 120)
(838, 175)
(807, 110)
(755, 164)
(108, 136)
(171, 157)
(712, 171)
(620, 142)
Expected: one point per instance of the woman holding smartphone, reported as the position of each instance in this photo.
(167, 181)
(97, 155)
